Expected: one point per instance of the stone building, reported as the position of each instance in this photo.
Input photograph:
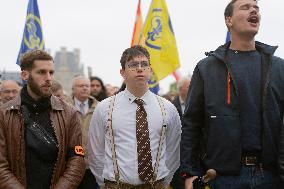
(67, 66)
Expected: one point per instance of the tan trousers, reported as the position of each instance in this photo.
(113, 185)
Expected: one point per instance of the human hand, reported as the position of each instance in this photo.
(188, 182)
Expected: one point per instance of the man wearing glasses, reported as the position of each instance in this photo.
(134, 135)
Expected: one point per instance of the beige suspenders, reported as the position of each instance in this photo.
(109, 126)
(111, 133)
(162, 136)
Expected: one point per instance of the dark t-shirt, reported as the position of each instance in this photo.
(246, 71)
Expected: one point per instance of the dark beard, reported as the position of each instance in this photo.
(101, 96)
(35, 88)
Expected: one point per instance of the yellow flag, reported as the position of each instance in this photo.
(160, 40)
(138, 38)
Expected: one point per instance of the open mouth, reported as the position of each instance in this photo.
(253, 19)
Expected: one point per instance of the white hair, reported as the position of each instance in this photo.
(182, 80)
(77, 78)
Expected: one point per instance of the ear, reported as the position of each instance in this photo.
(25, 75)
(228, 21)
(122, 73)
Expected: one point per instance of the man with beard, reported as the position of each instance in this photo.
(9, 89)
(40, 134)
(233, 120)
(98, 89)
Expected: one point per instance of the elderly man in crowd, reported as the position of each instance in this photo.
(85, 103)
(9, 90)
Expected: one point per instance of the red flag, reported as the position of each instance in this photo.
(137, 32)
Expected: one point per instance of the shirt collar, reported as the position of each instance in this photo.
(181, 101)
(78, 102)
(130, 97)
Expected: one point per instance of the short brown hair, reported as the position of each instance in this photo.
(230, 8)
(27, 59)
(132, 52)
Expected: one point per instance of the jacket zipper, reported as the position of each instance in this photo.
(229, 89)
(58, 145)
(22, 138)
(266, 84)
(230, 81)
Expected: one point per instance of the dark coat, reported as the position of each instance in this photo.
(211, 131)
(176, 102)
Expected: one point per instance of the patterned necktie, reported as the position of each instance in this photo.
(145, 168)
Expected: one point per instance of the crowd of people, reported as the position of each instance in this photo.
(227, 117)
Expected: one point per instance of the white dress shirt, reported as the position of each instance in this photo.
(124, 127)
(78, 105)
(182, 105)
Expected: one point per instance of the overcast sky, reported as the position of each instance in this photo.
(102, 29)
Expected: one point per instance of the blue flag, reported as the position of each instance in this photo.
(228, 37)
(33, 36)
(154, 85)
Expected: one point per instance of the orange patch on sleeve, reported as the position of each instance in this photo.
(79, 150)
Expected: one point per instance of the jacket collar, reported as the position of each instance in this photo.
(221, 51)
(15, 104)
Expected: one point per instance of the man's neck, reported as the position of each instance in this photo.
(32, 94)
(182, 97)
(138, 91)
(82, 100)
(242, 43)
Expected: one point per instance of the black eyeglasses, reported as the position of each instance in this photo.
(135, 64)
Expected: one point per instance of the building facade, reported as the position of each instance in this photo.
(11, 75)
(67, 66)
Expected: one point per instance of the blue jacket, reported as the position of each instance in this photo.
(211, 132)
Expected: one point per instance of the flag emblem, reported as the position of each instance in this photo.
(154, 35)
(33, 36)
(153, 81)
(160, 40)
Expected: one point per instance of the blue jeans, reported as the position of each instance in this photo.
(251, 177)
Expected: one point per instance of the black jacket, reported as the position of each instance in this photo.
(177, 104)
(211, 132)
